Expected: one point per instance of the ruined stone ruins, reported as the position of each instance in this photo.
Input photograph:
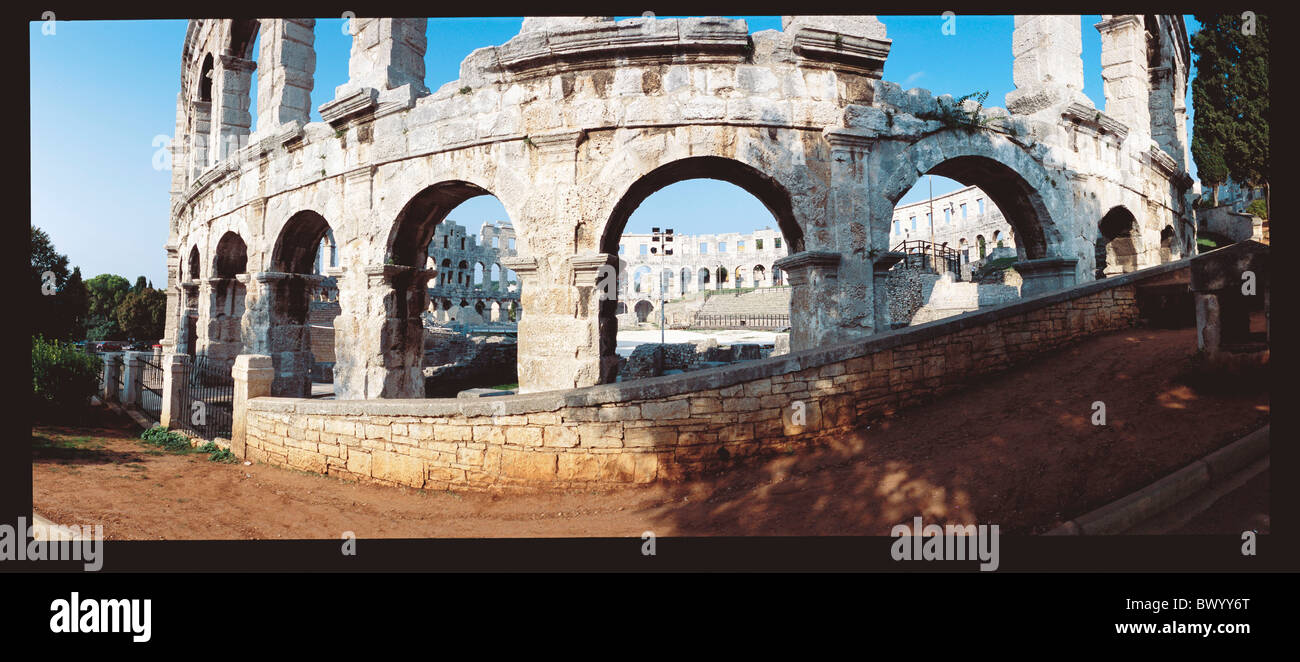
(470, 285)
(572, 123)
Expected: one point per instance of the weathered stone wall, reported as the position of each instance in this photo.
(571, 134)
(671, 427)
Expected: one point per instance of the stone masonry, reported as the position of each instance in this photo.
(572, 123)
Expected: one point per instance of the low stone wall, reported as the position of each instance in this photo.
(671, 427)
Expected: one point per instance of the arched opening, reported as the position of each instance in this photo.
(996, 194)
(717, 208)
(760, 275)
(1167, 244)
(300, 335)
(187, 343)
(932, 281)
(226, 302)
(643, 309)
(1117, 251)
(441, 348)
(193, 263)
(205, 79)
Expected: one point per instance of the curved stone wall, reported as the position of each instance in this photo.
(672, 427)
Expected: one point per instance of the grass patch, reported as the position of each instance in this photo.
(505, 387)
(1000, 264)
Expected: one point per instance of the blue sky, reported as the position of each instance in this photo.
(102, 91)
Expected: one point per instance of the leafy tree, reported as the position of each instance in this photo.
(106, 292)
(1230, 98)
(140, 284)
(72, 301)
(142, 314)
(49, 317)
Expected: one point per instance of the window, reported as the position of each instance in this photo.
(722, 247)
(758, 244)
(980, 202)
(929, 219)
(778, 242)
(645, 249)
(947, 216)
(963, 210)
(913, 224)
(462, 243)
(898, 226)
(740, 247)
(446, 241)
(622, 249)
(704, 248)
(512, 244)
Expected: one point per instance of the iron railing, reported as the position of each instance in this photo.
(151, 386)
(919, 254)
(209, 398)
(741, 321)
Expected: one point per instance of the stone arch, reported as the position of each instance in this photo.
(231, 257)
(1119, 242)
(290, 287)
(704, 278)
(760, 275)
(981, 247)
(643, 308)
(415, 225)
(771, 192)
(621, 308)
(203, 86)
(1167, 244)
(193, 263)
(1007, 174)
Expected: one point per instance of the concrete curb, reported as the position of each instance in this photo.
(1121, 515)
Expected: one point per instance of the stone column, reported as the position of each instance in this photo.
(174, 301)
(231, 91)
(379, 336)
(1046, 274)
(595, 277)
(287, 62)
(200, 135)
(278, 325)
(175, 403)
(253, 374)
(1209, 324)
(1125, 80)
(814, 280)
(132, 380)
(110, 393)
(880, 272)
(849, 219)
(1048, 67)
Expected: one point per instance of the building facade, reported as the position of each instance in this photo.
(965, 220)
(699, 263)
(471, 286)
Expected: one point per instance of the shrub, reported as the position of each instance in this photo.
(168, 440)
(63, 377)
(1257, 208)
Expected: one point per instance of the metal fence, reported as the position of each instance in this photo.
(741, 321)
(210, 398)
(926, 256)
(151, 386)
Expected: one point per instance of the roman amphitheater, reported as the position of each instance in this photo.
(572, 124)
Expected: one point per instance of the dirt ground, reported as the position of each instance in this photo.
(1015, 449)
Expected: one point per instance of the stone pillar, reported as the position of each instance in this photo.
(1125, 80)
(110, 392)
(175, 303)
(175, 403)
(379, 336)
(278, 326)
(200, 135)
(387, 54)
(1209, 324)
(132, 380)
(231, 90)
(884, 262)
(253, 374)
(1048, 67)
(1046, 274)
(595, 277)
(288, 62)
(849, 220)
(814, 280)
(221, 312)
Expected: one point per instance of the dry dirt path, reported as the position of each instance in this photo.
(1015, 449)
